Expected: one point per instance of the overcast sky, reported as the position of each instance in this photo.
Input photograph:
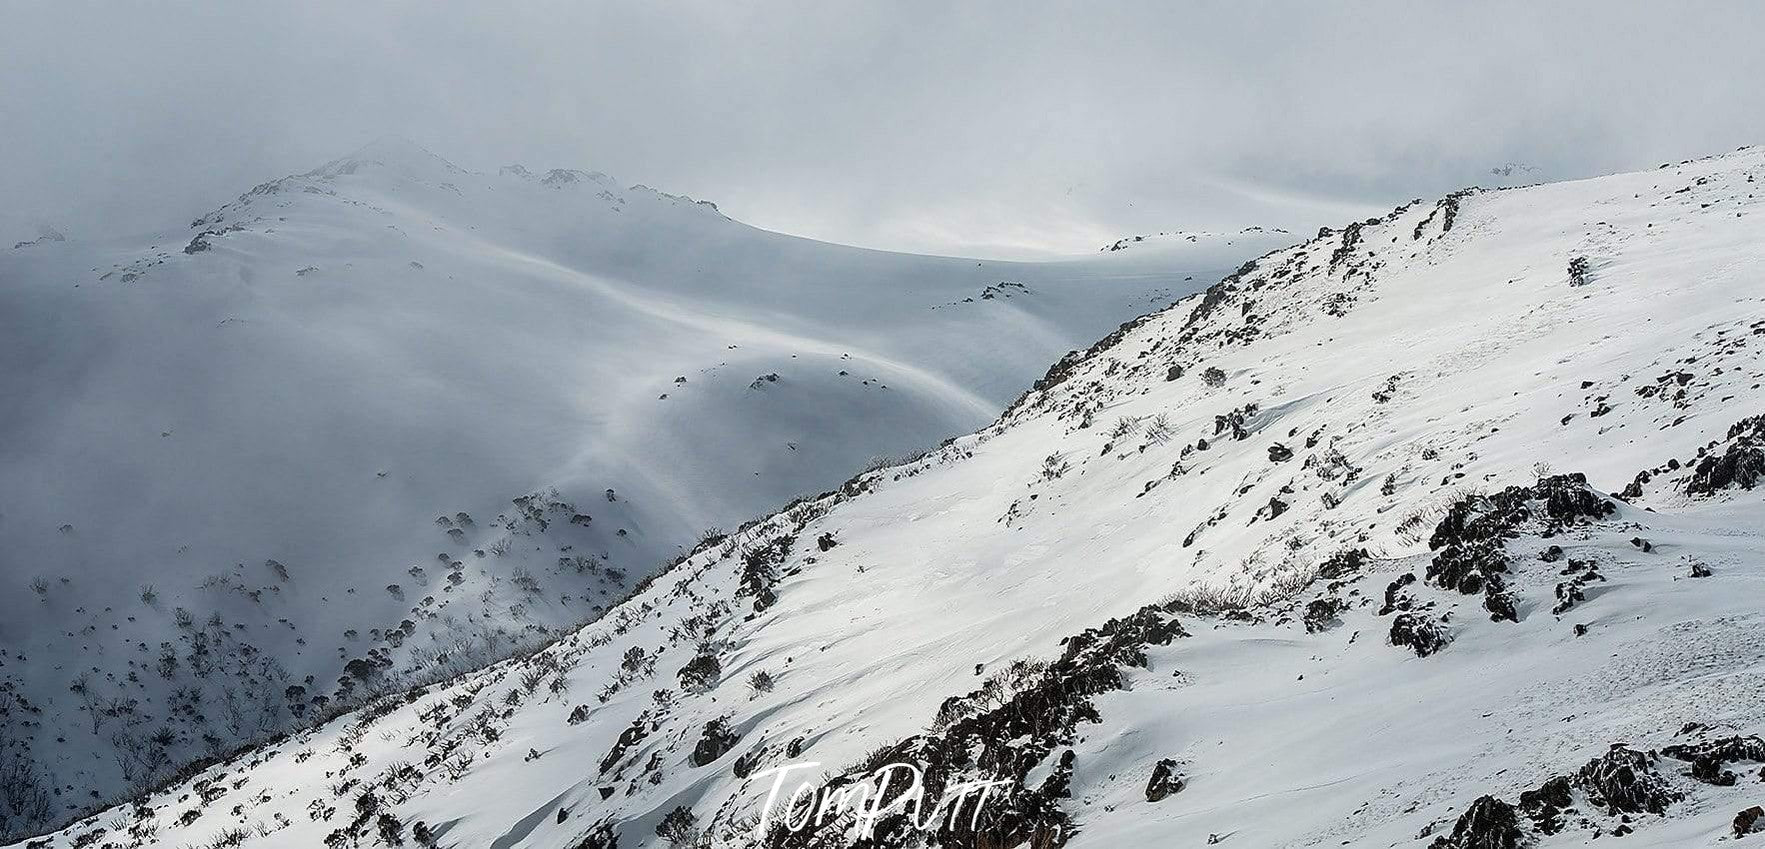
(967, 128)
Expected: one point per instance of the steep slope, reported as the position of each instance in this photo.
(391, 419)
(1328, 555)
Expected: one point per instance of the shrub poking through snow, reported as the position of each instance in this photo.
(679, 827)
(1342, 563)
(760, 570)
(761, 682)
(1417, 632)
(1321, 613)
(700, 673)
(1580, 272)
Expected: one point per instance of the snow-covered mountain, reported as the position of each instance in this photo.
(1439, 530)
(1249, 237)
(391, 419)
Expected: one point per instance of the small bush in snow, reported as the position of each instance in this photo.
(679, 827)
(525, 581)
(1158, 429)
(700, 673)
(1580, 274)
(1054, 466)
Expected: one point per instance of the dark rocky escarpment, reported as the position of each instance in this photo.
(1618, 784)
(1741, 464)
(1489, 823)
(1471, 538)
(1014, 722)
(1709, 758)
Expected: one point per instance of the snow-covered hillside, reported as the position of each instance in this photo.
(1440, 530)
(1272, 237)
(394, 417)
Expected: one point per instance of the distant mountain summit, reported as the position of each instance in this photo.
(1251, 237)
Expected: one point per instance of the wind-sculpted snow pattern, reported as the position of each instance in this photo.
(1420, 534)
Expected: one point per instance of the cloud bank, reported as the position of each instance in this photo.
(990, 128)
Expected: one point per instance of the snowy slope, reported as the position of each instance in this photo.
(1271, 237)
(1422, 533)
(242, 456)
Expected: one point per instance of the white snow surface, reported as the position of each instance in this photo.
(1406, 366)
(262, 417)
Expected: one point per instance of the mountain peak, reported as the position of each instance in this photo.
(392, 152)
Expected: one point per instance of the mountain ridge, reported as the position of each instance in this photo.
(1336, 596)
(392, 418)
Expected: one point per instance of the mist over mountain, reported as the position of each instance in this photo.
(1437, 529)
(390, 420)
(906, 425)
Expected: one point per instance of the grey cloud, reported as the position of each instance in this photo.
(999, 128)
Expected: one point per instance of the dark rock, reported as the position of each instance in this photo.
(1741, 465)
(1625, 781)
(631, 736)
(979, 733)
(1747, 821)
(1165, 781)
(714, 742)
(1545, 805)
(1709, 757)
(1569, 594)
(1393, 599)
(1489, 823)
(601, 836)
(744, 765)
